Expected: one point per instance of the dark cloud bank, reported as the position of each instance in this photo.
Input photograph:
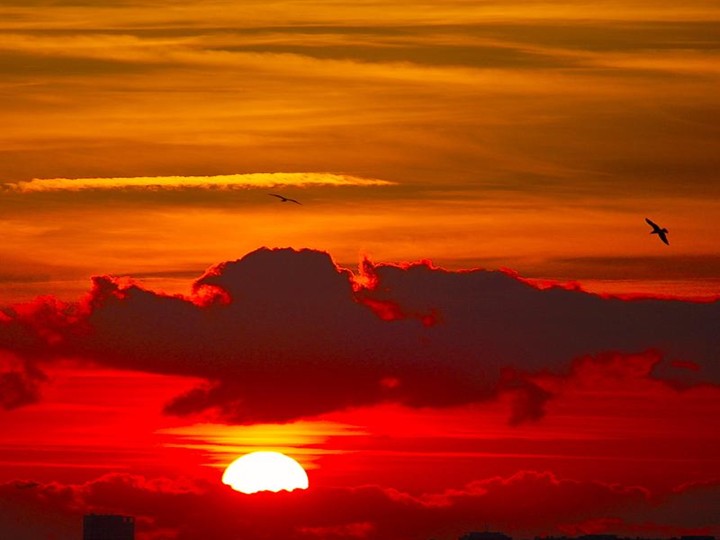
(282, 334)
(523, 504)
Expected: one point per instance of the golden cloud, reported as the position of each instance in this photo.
(229, 181)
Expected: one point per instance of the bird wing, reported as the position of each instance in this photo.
(275, 195)
(654, 225)
(663, 237)
(296, 202)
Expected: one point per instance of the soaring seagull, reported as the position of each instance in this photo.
(661, 232)
(284, 199)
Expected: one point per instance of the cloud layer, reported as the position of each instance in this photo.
(284, 334)
(525, 503)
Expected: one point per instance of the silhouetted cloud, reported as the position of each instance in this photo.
(524, 503)
(282, 334)
(18, 388)
(19, 381)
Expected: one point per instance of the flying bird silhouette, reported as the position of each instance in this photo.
(284, 199)
(661, 232)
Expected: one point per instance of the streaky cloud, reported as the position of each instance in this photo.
(228, 181)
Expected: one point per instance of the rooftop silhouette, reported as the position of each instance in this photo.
(485, 535)
(108, 527)
(494, 535)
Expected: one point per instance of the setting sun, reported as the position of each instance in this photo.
(371, 270)
(265, 471)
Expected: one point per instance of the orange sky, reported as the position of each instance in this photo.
(141, 139)
(529, 136)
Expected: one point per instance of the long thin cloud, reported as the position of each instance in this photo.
(229, 181)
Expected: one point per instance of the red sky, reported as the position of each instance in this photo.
(472, 327)
(423, 403)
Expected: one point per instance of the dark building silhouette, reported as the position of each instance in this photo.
(108, 527)
(485, 535)
(489, 535)
(616, 537)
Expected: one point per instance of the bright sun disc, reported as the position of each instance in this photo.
(265, 471)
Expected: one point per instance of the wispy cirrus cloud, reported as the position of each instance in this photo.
(228, 181)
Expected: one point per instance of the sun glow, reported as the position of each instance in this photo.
(265, 471)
